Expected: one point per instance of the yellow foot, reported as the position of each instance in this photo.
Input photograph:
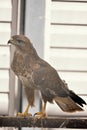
(25, 114)
(40, 115)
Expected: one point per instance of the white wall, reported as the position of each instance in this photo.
(5, 32)
(66, 45)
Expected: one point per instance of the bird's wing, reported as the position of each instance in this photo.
(52, 87)
(49, 81)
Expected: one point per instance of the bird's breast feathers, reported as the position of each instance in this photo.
(28, 82)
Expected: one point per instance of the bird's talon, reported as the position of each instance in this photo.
(24, 114)
(40, 115)
(35, 114)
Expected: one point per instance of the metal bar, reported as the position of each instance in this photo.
(51, 122)
(68, 24)
(81, 1)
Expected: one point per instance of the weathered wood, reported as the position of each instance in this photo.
(51, 122)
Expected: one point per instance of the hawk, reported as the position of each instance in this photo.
(35, 73)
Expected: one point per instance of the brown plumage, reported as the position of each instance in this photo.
(36, 73)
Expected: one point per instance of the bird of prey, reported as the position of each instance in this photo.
(35, 73)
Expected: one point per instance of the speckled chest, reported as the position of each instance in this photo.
(21, 66)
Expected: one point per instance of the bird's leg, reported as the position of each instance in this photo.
(43, 113)
(26, 112)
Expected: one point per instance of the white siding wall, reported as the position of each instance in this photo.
(66, 44)
(5, 33)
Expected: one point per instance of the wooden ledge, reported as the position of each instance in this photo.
(49, 122)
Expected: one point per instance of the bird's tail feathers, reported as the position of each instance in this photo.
(67, 104)
(77, 99)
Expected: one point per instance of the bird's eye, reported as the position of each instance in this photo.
(19, 41)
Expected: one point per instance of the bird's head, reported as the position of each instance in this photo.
(21, 42)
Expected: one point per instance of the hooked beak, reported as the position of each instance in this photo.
(11, 41)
